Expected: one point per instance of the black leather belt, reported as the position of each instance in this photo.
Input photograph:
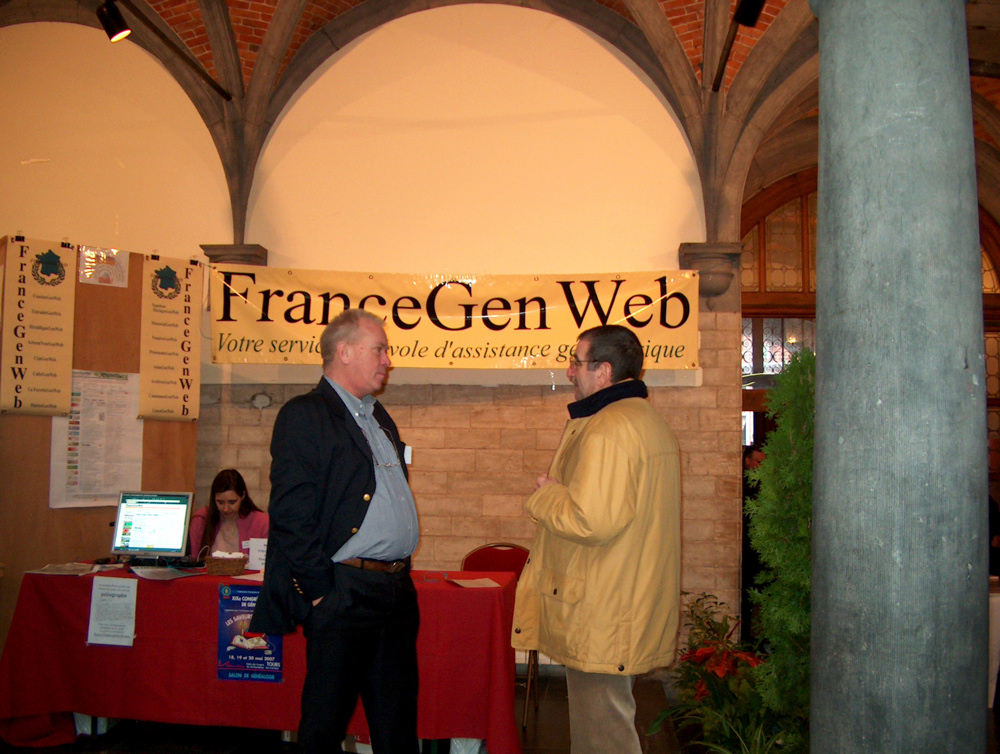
(387, 566)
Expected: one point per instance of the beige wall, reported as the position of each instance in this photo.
(100, 146)
(477, 139)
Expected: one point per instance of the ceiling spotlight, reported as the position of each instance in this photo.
(747, 13)
(113, 21)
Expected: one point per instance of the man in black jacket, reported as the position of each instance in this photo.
(343, 528)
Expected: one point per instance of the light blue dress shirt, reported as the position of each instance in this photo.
(389, 531)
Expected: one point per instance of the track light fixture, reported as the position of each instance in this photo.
(117, 28)
(747, 13)
(113, 21)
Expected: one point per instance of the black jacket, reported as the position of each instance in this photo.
(322, 480)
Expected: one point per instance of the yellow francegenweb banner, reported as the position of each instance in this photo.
(170, 339)
(39, 296)
(264, 315)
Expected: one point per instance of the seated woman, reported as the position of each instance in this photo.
(229, 521)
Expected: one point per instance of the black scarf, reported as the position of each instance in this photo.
(594, 403)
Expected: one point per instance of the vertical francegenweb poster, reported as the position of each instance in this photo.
(244, 656)
(170, 339)
(36, 326)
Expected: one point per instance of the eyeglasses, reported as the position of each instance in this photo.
(577, 363)
(432, 577)
(388, 451)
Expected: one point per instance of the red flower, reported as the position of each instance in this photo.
(749, 658)
(700, 690)
(720, 661)
(699, 655)
(722, 664)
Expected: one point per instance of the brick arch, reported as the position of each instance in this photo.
(240, 128)
(217, 115)
(205, 101)
(781, 69)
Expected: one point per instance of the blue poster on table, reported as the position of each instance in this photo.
(244, 656)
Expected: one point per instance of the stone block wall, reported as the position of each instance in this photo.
(477, 451)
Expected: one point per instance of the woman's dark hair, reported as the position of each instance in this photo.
(225, 480)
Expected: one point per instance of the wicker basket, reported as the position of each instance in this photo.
(225, 566)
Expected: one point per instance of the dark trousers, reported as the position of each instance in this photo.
(362, 639)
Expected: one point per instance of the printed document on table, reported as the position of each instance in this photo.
(67, 569)
(484, 583)
(112, 611)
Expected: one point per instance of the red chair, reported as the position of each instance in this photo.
(503, 556)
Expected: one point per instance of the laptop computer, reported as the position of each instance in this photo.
(151, 527)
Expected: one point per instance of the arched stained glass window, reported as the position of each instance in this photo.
(778, 276)
(990, 282)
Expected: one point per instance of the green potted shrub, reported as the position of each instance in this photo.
(780, 531)
(732, 698)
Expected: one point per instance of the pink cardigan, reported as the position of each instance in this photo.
(253, 526)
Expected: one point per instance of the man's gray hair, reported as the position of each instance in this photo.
(616, 345)
(344, 328)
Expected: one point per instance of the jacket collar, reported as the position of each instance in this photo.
(354, 405)
(593, 403)
(339, 409)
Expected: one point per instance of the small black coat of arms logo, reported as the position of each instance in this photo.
(48, 268)
(164, 283)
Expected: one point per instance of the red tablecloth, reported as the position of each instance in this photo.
(170, 672)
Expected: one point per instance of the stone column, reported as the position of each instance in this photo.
(899, 588)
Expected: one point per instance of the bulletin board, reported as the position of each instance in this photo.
(106, 339)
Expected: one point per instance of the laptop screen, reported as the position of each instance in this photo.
(152, 524)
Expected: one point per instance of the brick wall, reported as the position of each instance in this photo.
(477, 451)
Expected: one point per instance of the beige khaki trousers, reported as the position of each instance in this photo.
(601, 713)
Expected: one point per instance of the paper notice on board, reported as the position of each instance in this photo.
(112, 611)
(96, 451)
(106, 267)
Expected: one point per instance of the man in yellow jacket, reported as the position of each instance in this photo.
(601, 590)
